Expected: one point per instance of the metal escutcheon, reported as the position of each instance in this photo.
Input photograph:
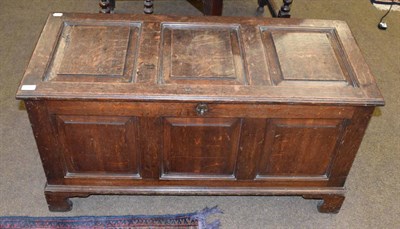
(202, 109)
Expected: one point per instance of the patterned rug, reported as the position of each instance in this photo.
(190, 220)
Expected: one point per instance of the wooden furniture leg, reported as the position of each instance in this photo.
(212, 7)
(284, 11)
(148, 7)
(107, 6)
(112, 5)
(329, 203)
(58, 202)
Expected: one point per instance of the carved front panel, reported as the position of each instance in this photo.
(95, 52)
(201, 54)
(98, 146)
(200, 148)
(299, 148)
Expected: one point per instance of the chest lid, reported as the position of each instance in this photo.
(227, 59)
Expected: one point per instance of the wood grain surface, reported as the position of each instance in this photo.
(88, 56)
(133, 104)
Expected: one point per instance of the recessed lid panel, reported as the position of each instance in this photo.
(306, 55)
(95, 52)
(210, 48)
(201, 54)
(217, 59)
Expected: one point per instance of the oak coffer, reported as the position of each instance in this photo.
(140, 104)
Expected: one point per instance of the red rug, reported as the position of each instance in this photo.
(190, 220)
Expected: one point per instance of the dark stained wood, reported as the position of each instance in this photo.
(349, 144)
(283, 12)
(133, 104)
(46, 141)
(150, 139)
(59, 201)
(212, 7)
(106, 6)
(86, 143)
(185, 44)
(191, 190)
(295, 48)
(79, 57)
(112, 52)
(189, 109)
(217, 48)
(330, 203)
(200, 147)
(299, 148)
(251, 145)
(249, 82)
(148, 7)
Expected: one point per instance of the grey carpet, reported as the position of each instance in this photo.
(373, 185)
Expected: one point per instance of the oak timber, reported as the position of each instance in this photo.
(145, 104)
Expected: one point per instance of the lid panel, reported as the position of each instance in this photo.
(301, 55)
(182, 58)
(306, 56)
(95, 52)
(201, 54)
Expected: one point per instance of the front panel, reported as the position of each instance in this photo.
(300, 149)
(143, 143)
(98, 146)
(200, 148)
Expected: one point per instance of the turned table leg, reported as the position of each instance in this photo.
(329, 204)
(112, 5)
(58, 202)
(107, 6)
(148, 6)
(271, 6)
(283, 12)
(212, 7)
(285, 9)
